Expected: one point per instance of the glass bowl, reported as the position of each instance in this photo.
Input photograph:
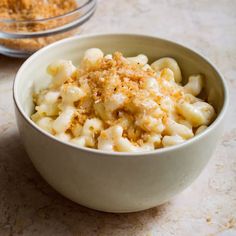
(21, 38)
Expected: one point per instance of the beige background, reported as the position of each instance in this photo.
(28, 206)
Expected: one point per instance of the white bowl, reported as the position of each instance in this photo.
(116, 182)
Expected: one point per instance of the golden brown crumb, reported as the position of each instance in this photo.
(231, 223)
(114, 103)
(118, 76)
(34, 10)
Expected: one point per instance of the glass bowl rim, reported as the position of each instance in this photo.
(89, 6)
(9, 21)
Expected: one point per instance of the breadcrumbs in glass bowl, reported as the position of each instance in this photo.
(28, 25)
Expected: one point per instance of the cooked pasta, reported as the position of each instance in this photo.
(116, 103)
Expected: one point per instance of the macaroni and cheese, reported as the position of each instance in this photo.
(116, 103)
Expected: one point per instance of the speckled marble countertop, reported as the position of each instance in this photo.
(28, 206)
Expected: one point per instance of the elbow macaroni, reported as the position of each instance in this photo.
(113, 103)
(167, 62)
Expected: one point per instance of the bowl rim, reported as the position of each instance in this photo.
(48, 18)
(89, 6)
(98, 152)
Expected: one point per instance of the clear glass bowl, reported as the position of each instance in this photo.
(22, 38)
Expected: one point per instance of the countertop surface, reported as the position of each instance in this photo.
(29, 206)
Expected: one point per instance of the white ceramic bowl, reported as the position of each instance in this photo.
(116, 182)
